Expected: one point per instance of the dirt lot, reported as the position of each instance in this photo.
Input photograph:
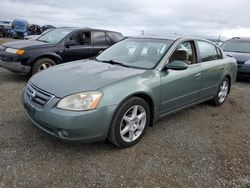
(200, 147)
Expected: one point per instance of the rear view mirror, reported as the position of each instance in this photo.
(177, 65)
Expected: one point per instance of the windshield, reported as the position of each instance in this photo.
(55, 35)
(136, 52)
(20, 26)
(236, 46)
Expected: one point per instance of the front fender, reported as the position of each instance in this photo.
(147, 83)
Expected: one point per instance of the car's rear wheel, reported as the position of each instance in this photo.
(42, 64)
(222, 92)
(129, 122)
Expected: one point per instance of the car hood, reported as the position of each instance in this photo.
(26, 44)
(79, 76)
(240, 57)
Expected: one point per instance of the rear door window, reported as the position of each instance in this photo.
(208, 52)
(99, 38)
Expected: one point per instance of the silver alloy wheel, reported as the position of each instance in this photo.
(44, 66)
(133, 123)
(223, 91)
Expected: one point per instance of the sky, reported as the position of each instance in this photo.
(205, 18)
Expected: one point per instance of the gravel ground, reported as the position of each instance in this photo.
(3, 40)
(203, 146)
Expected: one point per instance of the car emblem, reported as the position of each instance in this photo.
(32, 94)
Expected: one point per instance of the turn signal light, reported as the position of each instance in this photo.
(20, 52)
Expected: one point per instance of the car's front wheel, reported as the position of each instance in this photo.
(129, 122)
(42, 64)
(222, 92)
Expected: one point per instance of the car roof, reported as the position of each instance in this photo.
(170, 37)
(88, 29)
(5, 21)
(20, 20)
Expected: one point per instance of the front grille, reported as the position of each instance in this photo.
(240, 62)
(5, 58)
(37, 95)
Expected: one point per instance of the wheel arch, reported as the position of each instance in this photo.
(146, 97)
(230, 81)
(55, 58)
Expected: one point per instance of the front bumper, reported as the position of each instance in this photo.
(14, 62)
(70, 126)
(15, 67)
(243, 70)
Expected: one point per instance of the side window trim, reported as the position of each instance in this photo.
(194, 48)
(197, 52)
(108, 39)
(219, 53)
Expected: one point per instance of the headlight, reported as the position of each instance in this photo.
(80, 101)
(247, 62)
(15, 51)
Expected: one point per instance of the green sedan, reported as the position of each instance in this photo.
(127, 87)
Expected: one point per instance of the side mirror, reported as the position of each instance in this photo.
(177, 65)
(70, 43)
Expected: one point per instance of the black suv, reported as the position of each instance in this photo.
(57, 46)
(239, 48)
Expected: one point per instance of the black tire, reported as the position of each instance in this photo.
(42, 61)
(115, 136)
(216, 100)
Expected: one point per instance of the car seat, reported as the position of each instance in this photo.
(180, 55)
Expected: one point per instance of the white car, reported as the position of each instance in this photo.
(6, 25)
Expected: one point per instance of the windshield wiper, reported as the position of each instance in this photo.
(112, 62)
(43, 41)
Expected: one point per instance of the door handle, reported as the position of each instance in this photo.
(198, 75)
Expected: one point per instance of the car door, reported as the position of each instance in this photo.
(212, 68)
(99, 41)
(78, 46)
(181, 88)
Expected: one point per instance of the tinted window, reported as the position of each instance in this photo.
(81, 38)
(236, 46)
(99, 38)
(208, 52)
(114, 37)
